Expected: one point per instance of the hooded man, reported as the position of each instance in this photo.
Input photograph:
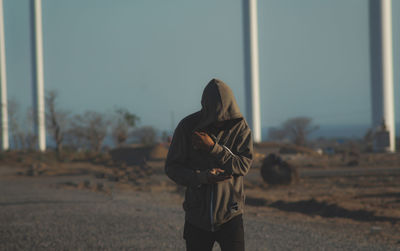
(210, 152)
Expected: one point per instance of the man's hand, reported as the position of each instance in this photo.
(202, 141)
(217, 175)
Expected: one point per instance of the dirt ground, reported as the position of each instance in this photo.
(371, 201)
(368, 201)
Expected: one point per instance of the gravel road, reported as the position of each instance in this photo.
(36, 215)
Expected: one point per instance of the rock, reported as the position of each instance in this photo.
(276, 171)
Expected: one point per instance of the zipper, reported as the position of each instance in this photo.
(216, 140)
(212, 192)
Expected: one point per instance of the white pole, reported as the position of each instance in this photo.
(387, 70)
(382, 72)
(3, 80)
(252, 67)
(39, 79)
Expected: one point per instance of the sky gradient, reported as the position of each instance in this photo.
(155, 57)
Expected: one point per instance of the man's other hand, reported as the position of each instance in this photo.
(202, 141)
(217, 175)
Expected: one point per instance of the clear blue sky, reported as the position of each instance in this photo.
(155, 57)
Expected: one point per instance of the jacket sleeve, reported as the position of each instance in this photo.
(238, 160)
(176, 164)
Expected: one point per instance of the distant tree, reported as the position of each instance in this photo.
(29, 137)
(72, 140)
(298, 129)
(124, 123)
(56, 119)
(17, 138)
(146, 135)
(89, 130)
(277, 134)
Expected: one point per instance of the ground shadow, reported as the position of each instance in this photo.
(314, 207)
(323, 209)
(256, 202)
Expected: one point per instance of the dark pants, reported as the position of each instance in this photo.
(230, 236)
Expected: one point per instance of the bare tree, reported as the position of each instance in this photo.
(89, 129)
(298, 129)
(276, 134)
(13, 108)
(56, 119)
(124, 123)
(72, 140)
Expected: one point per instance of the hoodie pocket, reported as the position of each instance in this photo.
(235, 204)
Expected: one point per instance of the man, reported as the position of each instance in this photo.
(210, 152)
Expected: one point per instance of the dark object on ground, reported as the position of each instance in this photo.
(138, 155)
(276, 171)
(130, 155)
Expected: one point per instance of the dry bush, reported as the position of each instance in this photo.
(296, 130)
(88, 130)
(56, 120)
(17, 139)
(124, 123)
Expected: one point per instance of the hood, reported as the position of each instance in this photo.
(218, 104)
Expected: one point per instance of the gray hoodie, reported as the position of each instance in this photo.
(208, 206)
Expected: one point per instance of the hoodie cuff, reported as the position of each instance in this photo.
(217, 149)
(202, 176)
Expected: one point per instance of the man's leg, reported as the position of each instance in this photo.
(231, 235)
(197, 239)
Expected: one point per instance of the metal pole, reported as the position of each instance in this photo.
(252, 80)
(3, 80)
(382, 68)
(40, 127)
